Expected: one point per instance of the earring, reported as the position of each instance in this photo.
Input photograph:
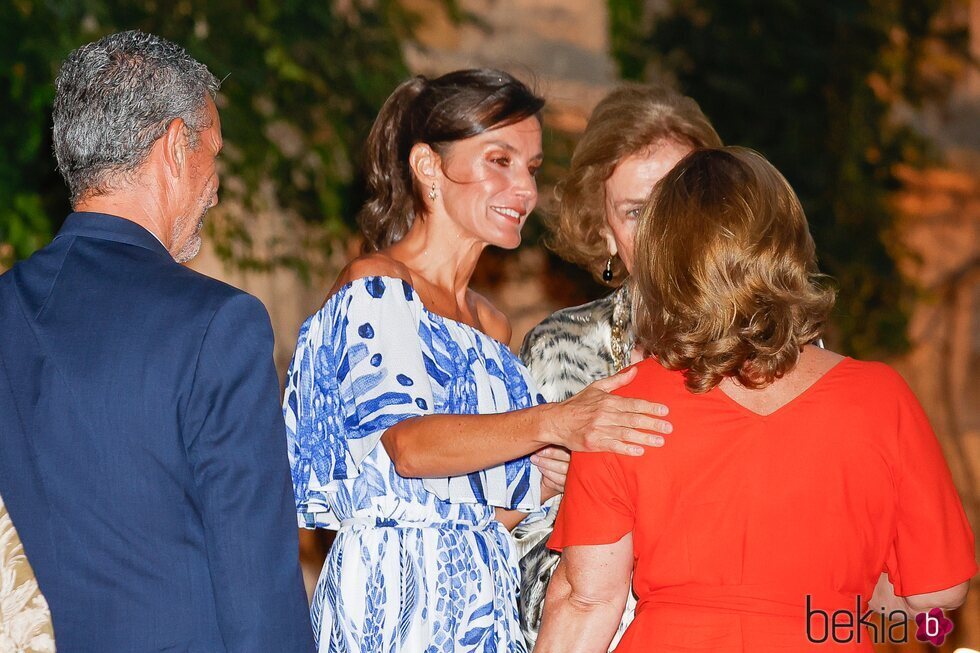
(607, 274)
(432, 193)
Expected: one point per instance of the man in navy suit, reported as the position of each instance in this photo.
(142, 447)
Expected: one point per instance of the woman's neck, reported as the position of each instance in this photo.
(436, 250)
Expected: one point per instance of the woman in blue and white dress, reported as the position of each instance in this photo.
(411, 425)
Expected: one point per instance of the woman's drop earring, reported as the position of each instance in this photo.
(607, 274)
(432, 192)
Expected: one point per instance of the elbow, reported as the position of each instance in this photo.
(585, 602)
(400, 459)
(948, 599)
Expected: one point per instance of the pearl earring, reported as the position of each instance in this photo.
(607, 274)
(432, 192)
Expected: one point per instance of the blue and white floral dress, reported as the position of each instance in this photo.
(418, 564)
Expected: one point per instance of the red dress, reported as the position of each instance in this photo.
(745, 527)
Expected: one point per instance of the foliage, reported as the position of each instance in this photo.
(816, 86)
(302, 83)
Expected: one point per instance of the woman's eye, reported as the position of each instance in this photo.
(633, 214)
(501, 161)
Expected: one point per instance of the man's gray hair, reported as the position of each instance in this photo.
(114, 98)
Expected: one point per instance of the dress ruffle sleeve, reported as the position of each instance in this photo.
(370, 358)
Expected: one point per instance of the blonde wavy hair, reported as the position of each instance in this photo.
(725, 280)
(632, 119)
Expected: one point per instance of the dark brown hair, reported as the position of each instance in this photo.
(437, 112)
(632, 119)
(725, 277)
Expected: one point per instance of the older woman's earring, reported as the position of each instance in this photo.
(432, 192)
(607, 274)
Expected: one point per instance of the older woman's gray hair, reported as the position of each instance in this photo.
(114, 98)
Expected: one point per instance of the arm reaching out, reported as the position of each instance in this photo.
(593, 420)
(586, 598)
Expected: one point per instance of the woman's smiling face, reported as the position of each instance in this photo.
(488, 186)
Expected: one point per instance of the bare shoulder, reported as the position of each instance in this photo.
(495, 323)
(375, 264)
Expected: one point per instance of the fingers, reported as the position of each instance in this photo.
(550, 464)
(555, 453)
(623, 448)
(553, 480)
(616, 380)
(647, 423)
(643, 438)
(631, 405)
(632, 443)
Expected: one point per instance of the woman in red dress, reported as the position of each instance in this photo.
(794, 476)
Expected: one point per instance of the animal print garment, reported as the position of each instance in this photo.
(566, 352)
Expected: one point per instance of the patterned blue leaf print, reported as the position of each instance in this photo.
(444, 508)
(523, 485)
(375, 287)
(485, 610)
(490, 644)
(367, 407)
(512, 468)
(400, 486)
(459, 585)
(366, 331)
(376, 426)
(437, 375)
(476, 483)
(475, 636)
(351, 358)
(481, 547)
(364, 384)
(368, 483)
(409, 593)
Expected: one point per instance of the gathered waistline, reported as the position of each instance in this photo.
(353, 523)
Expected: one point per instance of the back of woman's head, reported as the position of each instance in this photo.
(726, 282)
(633, 119)
(436, 112)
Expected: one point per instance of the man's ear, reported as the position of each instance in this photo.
(175, 143)
(425, 163)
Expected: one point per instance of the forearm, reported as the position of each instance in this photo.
(575, 622)
(451, 445)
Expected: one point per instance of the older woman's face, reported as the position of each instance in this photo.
(627, 190)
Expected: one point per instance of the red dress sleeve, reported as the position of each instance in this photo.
(598, 505)
(933, 545)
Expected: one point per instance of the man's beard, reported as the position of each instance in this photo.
(192, 246)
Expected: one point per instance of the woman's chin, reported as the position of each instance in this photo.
(508, 242)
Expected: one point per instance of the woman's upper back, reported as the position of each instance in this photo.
(815, 498)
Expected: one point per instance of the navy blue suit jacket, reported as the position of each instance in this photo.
(143, 452)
